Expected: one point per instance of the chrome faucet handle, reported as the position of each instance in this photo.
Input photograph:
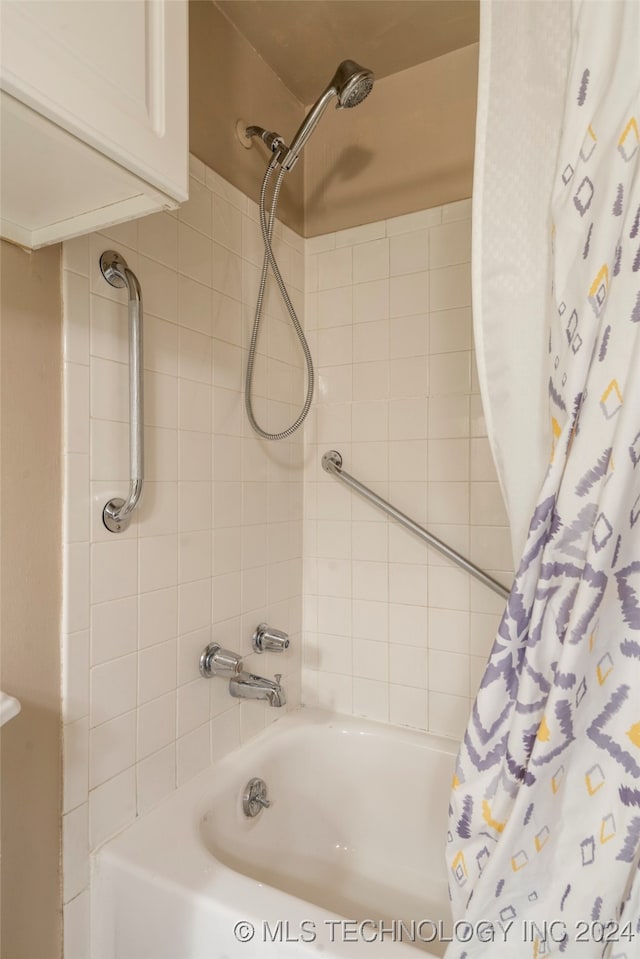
(255, 797)
(216, 661)
(278, 677)
(267, 639)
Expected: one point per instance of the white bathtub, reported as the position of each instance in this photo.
(356, 831)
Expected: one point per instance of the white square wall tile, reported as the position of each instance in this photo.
(450, 331)
(158, 616)
(158, 562)
(109, 329)
(194, 605)
(160, 400)
(371, 301)
(113, 689)
(448, 715)
(160, 345)
(227, 224)
(77, 925)
(196, 212)
(448, 460)
(408, 624)
(408, 707)
(450, 373)
(409, 294)
(194, 254)
(448, 673)
(334, 654)
(157, 670)
(156, 724)
(371, 660)
(192, 706)
(75, 334)
(112, 747)
(156, 778)
(335, 268)
(408, 419)
(335, 692)
(160, 286)
(449, 416)
(487, 505)
(335, 307)
(112, 806)
(458, 210)
(371, 699)
(370, 341)
(450, 244)
(75, 255)
(195, 305)
(408, 584)
(483, 629)
(158, 238)
(75, 838)
(450, 287)
(76, 764)
(225, 733)
(76, 408)
(449, 589)
(408, 666)
(371, 620)
(371, 261)
(75, 676)
(227, 272)
(76, 579)
(355, 235)
(408, 335)
(408, 222)
(449, 628)
(409, 252)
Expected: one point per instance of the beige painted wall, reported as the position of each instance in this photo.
(30, 571)
(228, 81)
(409, 146)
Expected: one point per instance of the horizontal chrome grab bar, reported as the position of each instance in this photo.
(332, 463)
(117, 513)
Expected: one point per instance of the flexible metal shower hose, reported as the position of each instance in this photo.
(270, 261)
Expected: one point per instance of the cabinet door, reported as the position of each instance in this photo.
(112, 73)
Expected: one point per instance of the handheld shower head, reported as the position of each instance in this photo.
(351, 83)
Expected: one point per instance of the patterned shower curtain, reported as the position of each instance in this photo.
(544, 830)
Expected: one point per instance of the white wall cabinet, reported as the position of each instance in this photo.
(93, 114)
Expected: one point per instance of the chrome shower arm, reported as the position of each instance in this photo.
(272, 140)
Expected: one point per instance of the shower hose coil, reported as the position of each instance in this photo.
(266, 225)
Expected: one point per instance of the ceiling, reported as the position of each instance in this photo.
(304, 40)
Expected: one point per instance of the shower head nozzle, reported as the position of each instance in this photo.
(350, 84)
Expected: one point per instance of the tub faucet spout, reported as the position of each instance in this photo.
(247, 686)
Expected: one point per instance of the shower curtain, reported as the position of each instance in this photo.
(524, 58)
(544, 830)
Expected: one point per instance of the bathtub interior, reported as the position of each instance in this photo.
(356, 831)
(356, 826)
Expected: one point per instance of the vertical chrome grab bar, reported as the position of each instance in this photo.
(117, 513)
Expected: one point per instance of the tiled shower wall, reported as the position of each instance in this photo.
(393, 631)
(217, 545)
